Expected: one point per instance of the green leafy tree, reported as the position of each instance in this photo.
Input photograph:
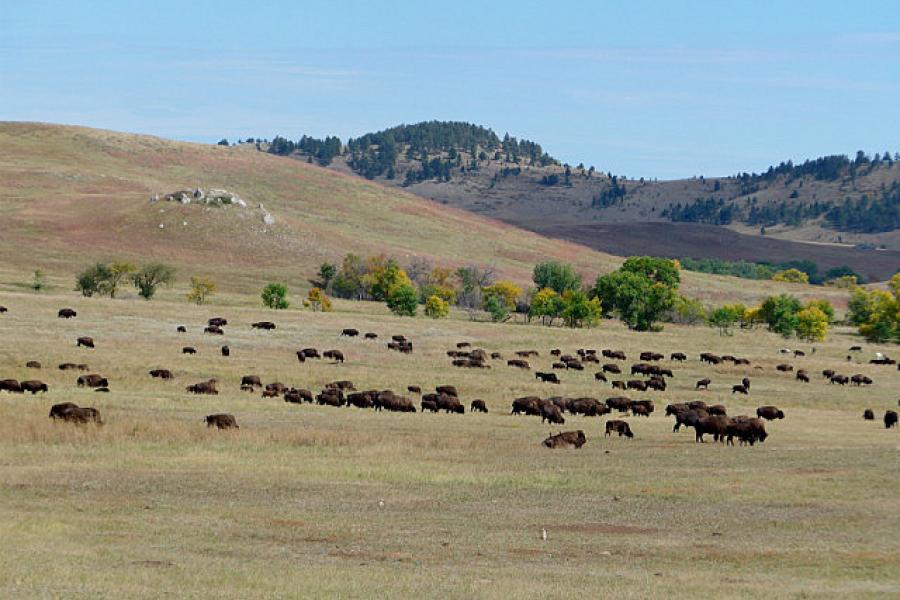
(403, 300)
(725, 317)
(657, 270)
(117, 272)
(556, 276)
(436, 307)
(327, 273)
(274, 296)
(150, 277)
(687, 311)
(636, 299)
(348, 282)
(546, 304)
(495, 308)
(823, 305)
(201, 289)
(91, 280)
(780, 313)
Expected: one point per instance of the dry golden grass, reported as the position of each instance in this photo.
(308, 501)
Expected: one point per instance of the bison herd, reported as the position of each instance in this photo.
(706, 420)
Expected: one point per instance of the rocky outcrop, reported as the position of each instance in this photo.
(212, 196)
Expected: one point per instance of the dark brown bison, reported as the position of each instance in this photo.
(450, 404)
(529, 405)
(32, 364)
(637, 384)
(449, 390)
(703, 383)
(189, 350)
(309, 353)
(399, 338)
(656, 383)
(599, 376)
(546, 377)
(428, 403)
(588, 407)
(358, 399)
(10, 385)
(619, 385)
(371, 336)
(181, 329)
(296, 396)
(268, 325)
(277, 388)
(394, 403)
(614, 354)
(66, 313)
(84, 342)
(463, 345)
(496, 356)
(739, 389)
(709, 357)
(3, 309)
(92, 381)
(746, 383)
(226, 351)
(784, 368)
(161, 373)
(222, 421)
(679, 356)
(619, 403)
(478, 406)
(890, 419)
(828, 373)
(748, 431)
(527, 353)
(75, 414)
(212, 329)
(217, 322)
(550, 412)
(566, 439)
(328, 397)
(653, 356)
(673, 409)
(414, 389)
(611, 368)
(350, 332)
(335, 355)
(714, 425)
(639, 410)
(204, 387)
(802, 376)
(855, 349)
(860, 380)
(769, 413)
(717, 409)
(688, 418)
(840, 379)
(518, 363)
(34, 386)
(868, 415)
(575, 365)
(253, 380)
(620, 427)
(697, 405)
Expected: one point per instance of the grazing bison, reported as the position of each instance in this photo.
(860, 380)
(161, 373)
(66, 313)
(614, 354)
(350, 332)
(619, 403)
(10, 385)
(703, 383)
(611, 368)
(518, 363)
(252, 380)
(478, 406)
(868, 415)
(784, 368)
(34, 386)
(697, 405)
(429, 404)
(748, 431)
(204, 387)
(268, 325)
(717, 410)
(357, 399)
(656, 383)
(181, 329)
(389, 401)
(189, 350)
(529, 405)
(92, 381)
(450, 404)
(840, 379)
(371, 336)
(335, 355)
(296, 396)
(599, 376)
(688, 418)
(679, 356)
(496, 356)
(72, 413)
(414, 389)
(855, 349)
(709, 357)
(620, 427)
(68, 367)
(739, 389)
(890, 419)
(462, 345)
(84, 342)
(309, 353)
(802, 376)
(566, 439)
(277, 388)
(639, 410)
(226, 351)
(588, 407)
(546, 377)
(674, 409)
(3, 309)
(449, 390)
(212, 329)
(217, 322)
(222, 421)
(769, 413)
(32, 364)
(550, 412)
(637, 384)
(828, 373)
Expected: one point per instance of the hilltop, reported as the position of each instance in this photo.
(834, 211)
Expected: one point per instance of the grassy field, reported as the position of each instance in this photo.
(309, 501)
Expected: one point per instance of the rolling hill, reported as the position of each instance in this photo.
(834, 211)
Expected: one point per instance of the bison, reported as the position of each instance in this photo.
(619, 403)
(717, 410)
(181, 329)
(32, 364)
(784, 368)
(679, 356)
(217, 322)
(769, 413)
(620, 427)
(267, 325)
(860, 380)
(295, 396)
(221, 421)
(350, 332)
(10, 385)
(715, 425)
(335, 355)
(34, 386)
(748, 431)
(161, 374)
(529, 405)
(66, 313)
(84, 342)
(739, 389)
(414, 389)
(75, 414)
(802, 376)
(518, 363)
(566, 439)
(546, 377)
(868, 415)
(92, 381)
(204, 387)
(550, 412)
(890, 419)
(189, 350)
(212, 329)
(251, 380)
(478, 406)
(371, 336)
(703, 383)
(226, 351)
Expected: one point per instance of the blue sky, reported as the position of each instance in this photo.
(640, 88)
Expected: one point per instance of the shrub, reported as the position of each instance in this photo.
(546, 304)
(812, 324)
(436, 307)
(495, 308)
(38, 282)
(274, 296)
(150, 277)
(578, 310)
(201, 289)
(791, 276)
(91, 280)
(725, 317)
(317, 300)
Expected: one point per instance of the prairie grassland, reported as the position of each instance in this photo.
(309, 501)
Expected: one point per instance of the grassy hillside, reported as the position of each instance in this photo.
(313, 501)
(71, 195)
